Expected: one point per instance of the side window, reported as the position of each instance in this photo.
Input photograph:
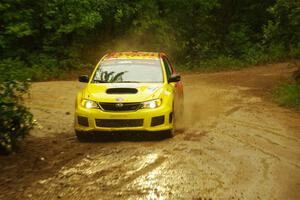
(167, 67)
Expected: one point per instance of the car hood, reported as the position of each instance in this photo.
(123, 92)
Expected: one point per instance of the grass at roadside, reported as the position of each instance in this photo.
(288, 94)
(15, 69)
(225, 63)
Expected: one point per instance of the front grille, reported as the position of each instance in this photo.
(83, 121)
(118, 123)
(119, 107)
(157, 120)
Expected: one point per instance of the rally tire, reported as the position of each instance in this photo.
(81, 136)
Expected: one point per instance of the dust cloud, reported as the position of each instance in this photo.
(203, 105)
(148, 41)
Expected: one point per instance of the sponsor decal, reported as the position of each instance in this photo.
(123, 85)
(151, 89)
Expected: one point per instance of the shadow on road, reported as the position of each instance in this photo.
(124, 136)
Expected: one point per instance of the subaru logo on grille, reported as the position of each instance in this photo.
(119, 105)
(119, 99)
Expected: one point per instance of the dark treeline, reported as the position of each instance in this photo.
(42, 37)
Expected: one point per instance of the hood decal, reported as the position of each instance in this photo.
(123, 85)
(151, 89)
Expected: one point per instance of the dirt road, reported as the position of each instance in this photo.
(236, 145)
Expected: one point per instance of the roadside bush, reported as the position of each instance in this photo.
(13, 69)
(297, 75)
(40, 68)
(15, 119)
(288, 95)
(221, 62)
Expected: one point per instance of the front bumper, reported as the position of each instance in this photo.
(89, 120)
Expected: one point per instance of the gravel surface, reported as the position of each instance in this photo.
(236, 144)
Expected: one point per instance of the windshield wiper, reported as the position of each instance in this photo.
(128, 82)
(99, 81)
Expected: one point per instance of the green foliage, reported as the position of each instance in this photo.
(221, 62)
(283, 29)
(13, 69)
(42, 68)
(296, 75)
(15, 119)
(288, 94)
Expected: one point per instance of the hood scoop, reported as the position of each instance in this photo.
(121, 91)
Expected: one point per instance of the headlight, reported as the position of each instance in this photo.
(88, 104)
(152, 104)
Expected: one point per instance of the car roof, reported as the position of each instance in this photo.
(133, 55)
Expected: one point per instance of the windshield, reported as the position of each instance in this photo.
(129, 71)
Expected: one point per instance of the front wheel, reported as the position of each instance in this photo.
(178, 118)
(170, 133)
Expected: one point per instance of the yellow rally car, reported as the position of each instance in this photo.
(129, 91)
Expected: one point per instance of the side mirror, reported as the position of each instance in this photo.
(174, 78)
(84, 78)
